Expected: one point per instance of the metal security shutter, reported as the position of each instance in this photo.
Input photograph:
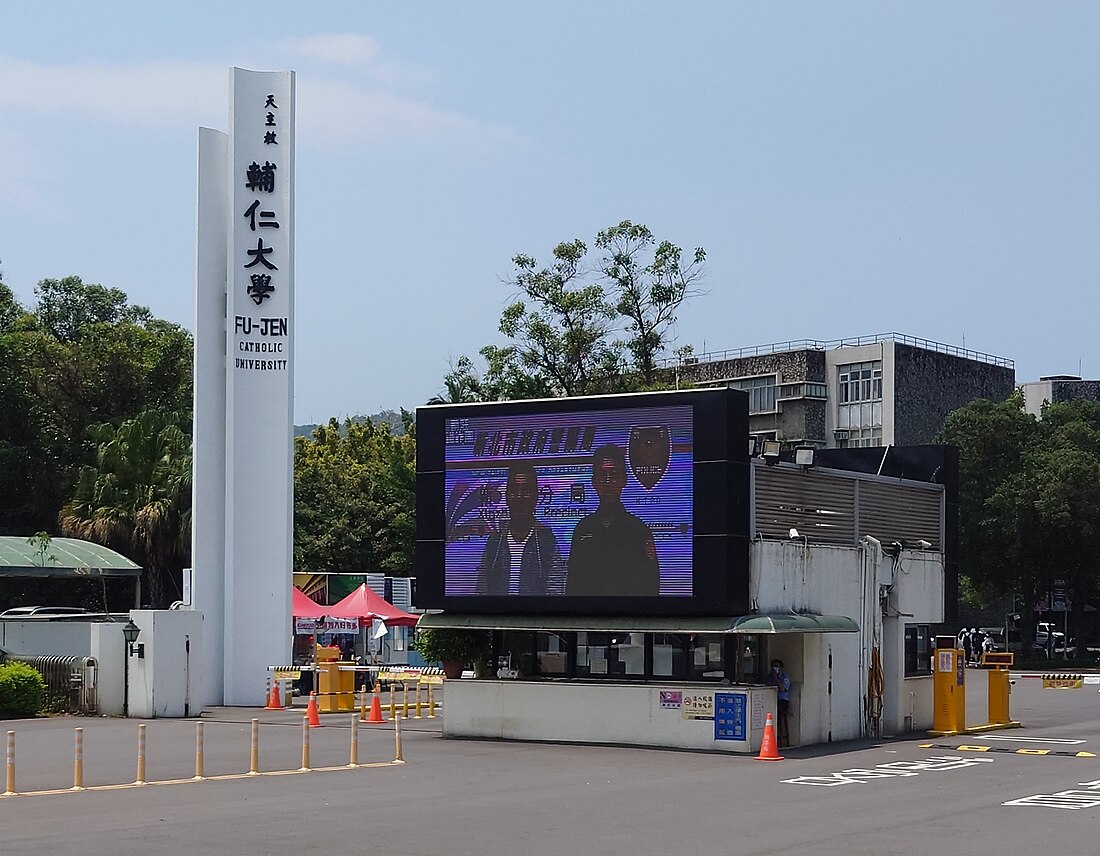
(821, 507)
(898, 512)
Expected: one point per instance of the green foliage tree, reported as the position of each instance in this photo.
(1029, 500)
(354, 499)
(453, 645)
(21, 690)
(137, 498)
(585, 323)
(80, 356)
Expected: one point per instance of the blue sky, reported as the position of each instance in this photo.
(850, 168)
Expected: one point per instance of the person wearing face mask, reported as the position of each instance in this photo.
(779, 679)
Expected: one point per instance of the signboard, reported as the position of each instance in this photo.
(729, 716)
(758, 712)
(945, 661)
(671, 699)
(328, 624)
(697, 706)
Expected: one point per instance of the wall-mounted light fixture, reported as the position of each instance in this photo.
(130, 633)
(770, 451)
(804, 456)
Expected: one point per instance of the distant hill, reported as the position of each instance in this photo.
(389, 417)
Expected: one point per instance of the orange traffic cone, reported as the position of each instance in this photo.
(274, 701)
(315, 720)
(375, 708)
(769, 751)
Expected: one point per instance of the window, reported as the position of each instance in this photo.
(617, 655)
(859, 404)
(761, 392)
(918, 650)
(802, 390)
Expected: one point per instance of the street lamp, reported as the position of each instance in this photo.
(130, 633)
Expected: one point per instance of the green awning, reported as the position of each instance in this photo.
(63, 557)
(758, 623)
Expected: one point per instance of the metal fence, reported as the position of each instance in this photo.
(70, 681)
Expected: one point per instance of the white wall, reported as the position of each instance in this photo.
(790, 575)
(167, 680)
(594, 713)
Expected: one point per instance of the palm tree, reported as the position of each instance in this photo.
(137, 499)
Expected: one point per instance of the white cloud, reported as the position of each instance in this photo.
(349, 49)
(184, 95)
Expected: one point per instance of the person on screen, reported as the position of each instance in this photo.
(523, 556)
(612, 553)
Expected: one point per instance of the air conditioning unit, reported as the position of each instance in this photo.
(690, 361)
(840, 434)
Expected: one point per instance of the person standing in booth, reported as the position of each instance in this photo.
(779, 679)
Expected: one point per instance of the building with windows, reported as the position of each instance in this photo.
(882, 390)
(1055, 389)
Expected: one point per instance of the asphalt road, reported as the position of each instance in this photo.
(481, 798)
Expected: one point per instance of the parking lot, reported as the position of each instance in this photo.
(971, 794)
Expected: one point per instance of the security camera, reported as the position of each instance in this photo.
(924, 545)
(794, 533)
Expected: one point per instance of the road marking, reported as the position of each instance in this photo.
(892, 770)
(1059, 740)
(965, 748)
(1085, 795)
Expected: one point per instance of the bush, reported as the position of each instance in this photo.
(442, 645)
(21, 690)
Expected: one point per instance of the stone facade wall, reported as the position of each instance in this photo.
(929, 385)
(1068, 390)
(791, 366)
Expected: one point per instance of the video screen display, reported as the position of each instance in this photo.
(579, 504)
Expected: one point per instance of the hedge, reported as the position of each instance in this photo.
(21, 690)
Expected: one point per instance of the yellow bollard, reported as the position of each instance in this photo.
(305, 744)
(400, 758)
(405, 699)
(353, 761)
(363, 704)
(200, 773)
(254, 753)
(418, 716)
(431, 702)
(393, 701)
(9, 790)
(78, 759)
(140, 778)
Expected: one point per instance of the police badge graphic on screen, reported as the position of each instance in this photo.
(588, 504)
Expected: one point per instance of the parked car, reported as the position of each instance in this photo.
(43, 611)
(1046, 637)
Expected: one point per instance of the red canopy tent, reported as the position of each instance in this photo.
(365, 604)
(303, 606)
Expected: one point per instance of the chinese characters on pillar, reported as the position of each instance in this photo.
(263, 258)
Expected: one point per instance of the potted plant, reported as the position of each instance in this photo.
(455, 648)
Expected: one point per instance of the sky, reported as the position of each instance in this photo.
(850, 169)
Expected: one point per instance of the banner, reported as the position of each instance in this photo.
(328, 624)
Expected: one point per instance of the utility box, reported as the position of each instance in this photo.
(164, 663)
(949, 691)
(335, 686)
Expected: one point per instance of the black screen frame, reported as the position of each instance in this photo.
(720, 508)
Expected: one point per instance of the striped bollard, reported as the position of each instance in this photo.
(254, 751)
(9, 790)
(353, 760)
(305, 744)
(140, 778)
(78, 759)
(200, 772)
(400, 758)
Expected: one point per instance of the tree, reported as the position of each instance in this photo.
(354, 499)
(648, 289)
(585, 324)
(137, 498)
(1029, 499)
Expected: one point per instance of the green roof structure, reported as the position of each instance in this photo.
(62, 557)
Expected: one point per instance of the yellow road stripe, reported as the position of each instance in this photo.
(973, 748)
(1032, 751)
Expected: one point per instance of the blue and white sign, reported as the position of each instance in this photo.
(729, 716)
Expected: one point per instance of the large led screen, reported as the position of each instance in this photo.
(580, 504)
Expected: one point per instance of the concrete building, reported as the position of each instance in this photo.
(882, 390)
(1055, 389)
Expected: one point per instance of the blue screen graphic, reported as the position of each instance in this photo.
(589, 504)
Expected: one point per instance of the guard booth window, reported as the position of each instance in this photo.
(616, 655)
(918, 650)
